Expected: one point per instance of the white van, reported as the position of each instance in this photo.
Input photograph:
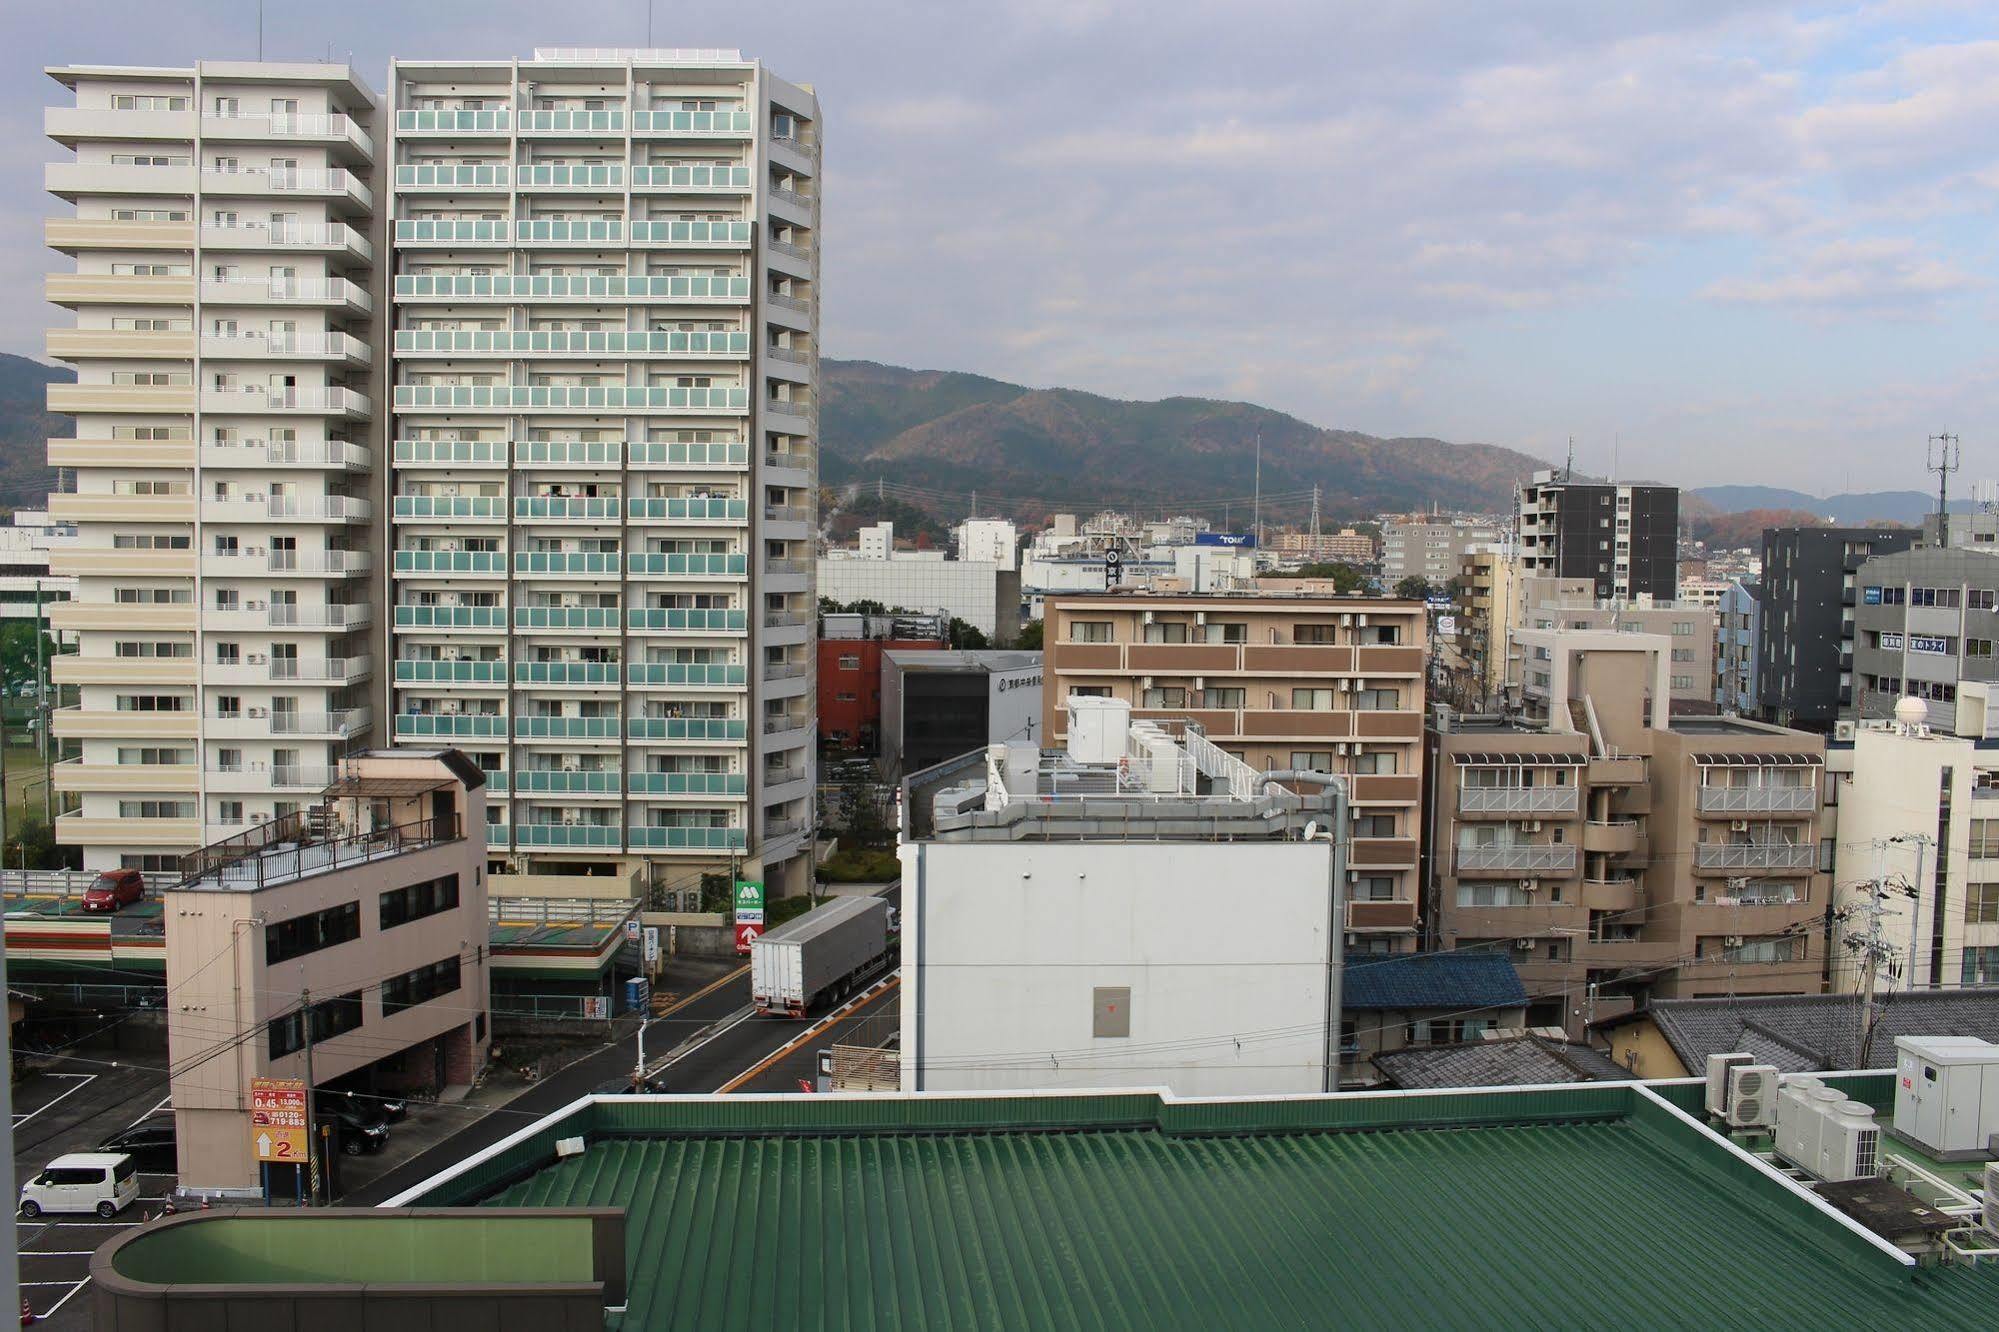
(102, 1182)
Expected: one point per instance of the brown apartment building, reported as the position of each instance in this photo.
(1618, 852)
(1328, 684)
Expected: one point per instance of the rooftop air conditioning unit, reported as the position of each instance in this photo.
(1717, 1079)
(1849, 1142)
(1991, 1221)
(1752, 1096)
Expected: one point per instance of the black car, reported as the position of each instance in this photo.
(358, 1131)
(150, 1144)
(388, 1109)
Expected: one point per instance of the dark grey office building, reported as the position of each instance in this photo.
(1624, 539)
(1804, 658)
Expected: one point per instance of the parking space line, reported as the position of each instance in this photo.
(85, 1079)
(67, 1298)
(57, 1253)
(166, 1102)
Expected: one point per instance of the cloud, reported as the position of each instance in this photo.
(1856, 277)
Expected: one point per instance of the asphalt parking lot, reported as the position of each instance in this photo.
(70, 1106)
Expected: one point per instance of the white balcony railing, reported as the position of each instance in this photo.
(1759, 799)
(243, 347)
(1755, 856)
(1538, 859)
(1516, 799)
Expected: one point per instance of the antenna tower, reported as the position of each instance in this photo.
(1944, 456)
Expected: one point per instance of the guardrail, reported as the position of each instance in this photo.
(67, 883)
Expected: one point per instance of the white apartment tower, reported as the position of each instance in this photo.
(219, 470)
(603, 444)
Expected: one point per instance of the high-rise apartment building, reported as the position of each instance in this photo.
(1624, 539)
(602, 446)
(1927, 622)
(1804, 656)
(219, 474)
(1429, 548)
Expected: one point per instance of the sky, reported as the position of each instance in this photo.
(1712, 242)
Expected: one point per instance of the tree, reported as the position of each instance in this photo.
(1030, 637)
(1345, 577)
(17, 652)
(967, 637)
(42, 851)
(1414, 588)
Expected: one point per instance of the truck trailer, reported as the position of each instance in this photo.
(825, 952)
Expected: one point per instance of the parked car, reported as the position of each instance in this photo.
(388, 1109)
(114, 889)
(150, 1142)
(101, 1182)
(359, 1132)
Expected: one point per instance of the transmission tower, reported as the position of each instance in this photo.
(1944, 456)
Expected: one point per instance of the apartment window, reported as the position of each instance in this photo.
(1984, 840)
(415, 901)
(153, 755)
(1226, 699)
(1683, 628)
(156, 809)
(312, 931)
(1980, 598)
(1166, 631)
(850, 662)
(1981, 903)
(1493, 895)
(1323, 635)
(147, 102)
(1683, 654)
(1089, 691)
(1311, 760)
(329, 1017)
(1227, 632)
(1683, 682)
(1374, 825)
(1376, 764)
(1313, 700)
(1090, 631)
(1978, 647)
(151, 703)
(1374, 888)
(1377, 700)
(151, 541)
(1382, 633)
(152, 649)
(151, 862)
(416, 987)
(1164, 696)
(1945, 597)
(1981, 966)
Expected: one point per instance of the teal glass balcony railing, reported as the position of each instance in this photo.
(451, 672)
(671, 565)
(688, 783)
(425, 725)
(689, 839)
(572, 122)
(544, 781)
(547, 562)
(416, 230)
(685, 674)
(694, 620)
(451, 617)
(445, 451)
(566, 508)
(566, 672)
(450, 562)
(593, 397)
(565, 728)
(496, 781)
(686, 728)
(569, 452)
(453, 122)
(573, 176)
(682, 509)
(573, 286)
(566, 617)
(693, 122)
(676, 231)
(479, 175)
(607, 835)
(450, 506)
(574, 231)
(557, 341)
(691, 176)
(699, 453)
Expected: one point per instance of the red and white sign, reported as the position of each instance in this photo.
(746, 932)
(277, 1119)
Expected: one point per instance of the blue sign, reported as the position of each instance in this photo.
(1245, 540)
(1871, 596)
(1440, 602)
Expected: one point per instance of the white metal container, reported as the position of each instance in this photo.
(802, 961)
(1946, 1094)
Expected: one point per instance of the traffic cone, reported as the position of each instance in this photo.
(27, 1313)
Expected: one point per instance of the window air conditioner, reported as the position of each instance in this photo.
(1347, 621)
(259, 712)
(1738, 825)
(1532, 826)
(257, 659)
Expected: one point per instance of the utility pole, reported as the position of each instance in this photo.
(1923, 843)
(1870, 946)
(312, 1153)
(1944, 456)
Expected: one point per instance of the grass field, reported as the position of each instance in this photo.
(24, 783)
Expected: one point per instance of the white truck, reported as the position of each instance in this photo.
(827, 951)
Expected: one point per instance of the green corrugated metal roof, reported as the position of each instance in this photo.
(1626, 1219)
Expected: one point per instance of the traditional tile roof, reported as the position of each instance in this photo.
(1457, 980)
(1811, 1033)
(1520, 1061)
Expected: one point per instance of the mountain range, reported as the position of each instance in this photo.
(1854, 509)
(26, 426)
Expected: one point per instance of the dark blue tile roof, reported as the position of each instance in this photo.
(1456, 979)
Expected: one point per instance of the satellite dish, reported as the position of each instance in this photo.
(1311, 830)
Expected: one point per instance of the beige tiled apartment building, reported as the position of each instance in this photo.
(1329, 684)
(1615, 851)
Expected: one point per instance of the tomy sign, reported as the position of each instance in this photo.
(1244, 540)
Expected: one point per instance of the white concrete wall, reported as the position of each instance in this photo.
(1225, 948)
(968, 591)
(1013, 704)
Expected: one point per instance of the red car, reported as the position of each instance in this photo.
(114, 889)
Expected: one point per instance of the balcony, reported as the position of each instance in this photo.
(450, 452)
(175, 399)
(258, 454)
(439, 671)
(566, 728)
(260, 777)
(328, 291)
(787, 619)
(595, 123)
(596, 177)
(591, 619)
(331, 617)
(586, 673)
(101, 724)
(1516, 800)
(332, 184)
(1759, 799)
(1615, 837)
(334, 131)
(76, 289)
(444, 508)
(596, 398)
(792, 409)
(566, 563)
(287, 509)
(693, 177)
(453, 177)
(72, 180)
(573, 287)
(785, 725)
(1618, 893)
(76, 775)
(566, 508)
(685, 675)
(76, 615)
(1622, 770)
(688, 783)
(686, 509)
(486, 562)
(566, 781)
(96, 507)
(492, 619)
(338, 347)
(700, 235)
(668, 564)
(71, 235)
(733, 344)
(331, 238)
(1381, 917)
(463, 231)
(650, 837)
(1517, 860)
(597, 836)
(451, 123)
(701, 124)
(306, 401)
(76, 830)
(325, 670)
(675, 619)
(1765, 857)
(80, 344)
(455, 726)
(699, 453)
(787, 513)
(687, 728)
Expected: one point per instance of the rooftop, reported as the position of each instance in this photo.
(1141, 1210)
(963, 663)
(1526, 1060)
(1456, 979)
(1809, 1033)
